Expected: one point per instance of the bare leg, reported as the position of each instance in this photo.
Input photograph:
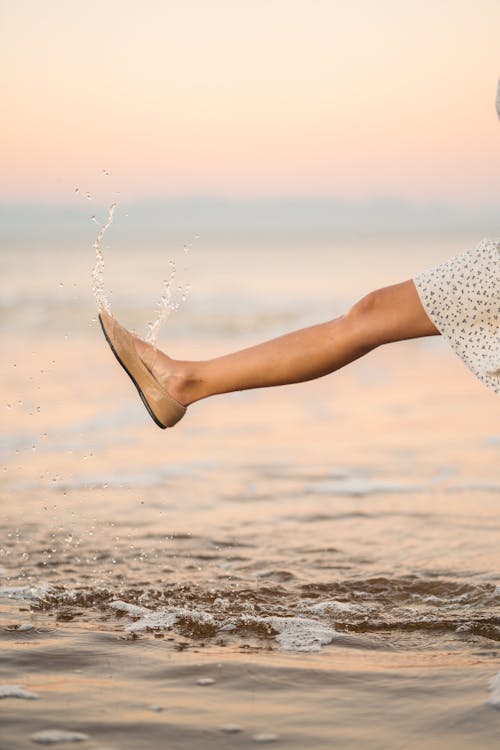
(390, 314)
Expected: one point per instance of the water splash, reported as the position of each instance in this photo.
(169, 302)
(171, 297)
(101, 300)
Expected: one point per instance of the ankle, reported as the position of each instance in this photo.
(183, 383)
(181, 379)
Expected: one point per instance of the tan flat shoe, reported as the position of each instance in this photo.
(163, 409)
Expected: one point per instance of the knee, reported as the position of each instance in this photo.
(363, 318)
(366, 306)
(392, 313)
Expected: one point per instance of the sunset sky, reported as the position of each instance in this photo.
(358, 99)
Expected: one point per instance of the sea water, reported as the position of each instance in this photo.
(316, 563)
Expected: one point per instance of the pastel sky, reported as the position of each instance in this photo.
(250, 98)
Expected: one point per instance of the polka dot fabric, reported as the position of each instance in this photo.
(462, 298)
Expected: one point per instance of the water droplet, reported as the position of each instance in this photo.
(77, 190)
(88, 196)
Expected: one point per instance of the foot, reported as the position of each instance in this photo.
(165, 410)
(170, 373)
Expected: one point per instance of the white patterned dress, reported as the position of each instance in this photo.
(462, 298)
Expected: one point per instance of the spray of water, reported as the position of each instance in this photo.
(169, 302)
(101, 300)
(171, 297)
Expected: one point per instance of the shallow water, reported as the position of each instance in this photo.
(326, 553)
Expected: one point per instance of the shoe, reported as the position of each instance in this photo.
(163, 409)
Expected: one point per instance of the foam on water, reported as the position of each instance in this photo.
(291, 633)
(165, 618)
(299, 633)
(25, 592)
(16, 691)
(161, 619)
(24, 627)
(129, 609)
(494, 699)
(58, 736)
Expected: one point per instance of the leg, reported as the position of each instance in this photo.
(390, 314)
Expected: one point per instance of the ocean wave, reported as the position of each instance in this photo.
(293, 617)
